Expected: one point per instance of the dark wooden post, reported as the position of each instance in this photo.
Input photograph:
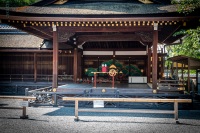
(55, 58)
(155, 57)
(95, 80)
(189, 75)
(162, 66)
(176, 70)
(98, 65)
(129, 64)
(83, 66)
(75, 64)
(149, 65)
(113, 81)
(182, 71)
(79, 64)
(35, 67)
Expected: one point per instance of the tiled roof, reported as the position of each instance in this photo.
(7, 29)
(97, 8)
(20, 41)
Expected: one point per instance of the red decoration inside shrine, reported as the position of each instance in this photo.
(104, 68)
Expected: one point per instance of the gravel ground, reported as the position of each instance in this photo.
(61, 119)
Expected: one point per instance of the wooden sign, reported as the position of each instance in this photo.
(24, 104)
(98, 104)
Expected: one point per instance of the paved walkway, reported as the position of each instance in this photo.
(61, 120)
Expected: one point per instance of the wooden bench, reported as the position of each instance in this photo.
(23, 108)
(170, 86)
(149, 100)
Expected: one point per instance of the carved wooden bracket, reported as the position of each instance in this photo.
(64, 36)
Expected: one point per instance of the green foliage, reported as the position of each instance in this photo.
(186, 6)
(134, 70)
(190, 45)
(16, 3)
(89, 72)
(191, 42)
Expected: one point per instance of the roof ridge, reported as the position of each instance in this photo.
(44, 2)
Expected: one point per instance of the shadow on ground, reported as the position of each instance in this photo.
(183, 114)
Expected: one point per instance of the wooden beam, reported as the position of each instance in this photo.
(127, 111)
(18, 97)
(25, 51)
(106, 29)
(127, 99)
(100, 18)
(33, 31)
(171, 34)
(114, 49)
(43, 33)
(118, 37)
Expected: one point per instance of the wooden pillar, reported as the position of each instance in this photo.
(149, 65)
(189, 75)
(98, 65)
(176, 111)
(75, 63)
(79, 65)
(129, 64)
(81, 70)
(155, 58)
(113, 81)
(55, 58)
(35, 67)
(176, 70)
(76, 110)
(172, 69)
(162, 66)
(95, 80)
(24, 116)
(182, 71)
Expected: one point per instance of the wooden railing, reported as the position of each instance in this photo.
(30, 77)
(23, 108)
(149, 100)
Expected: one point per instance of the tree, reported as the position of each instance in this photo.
(190, 45)
(16, 3)
(186, 6)
(191, 41)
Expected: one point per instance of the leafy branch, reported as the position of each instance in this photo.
(191, 43)
(16, 3)
(186, 6)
